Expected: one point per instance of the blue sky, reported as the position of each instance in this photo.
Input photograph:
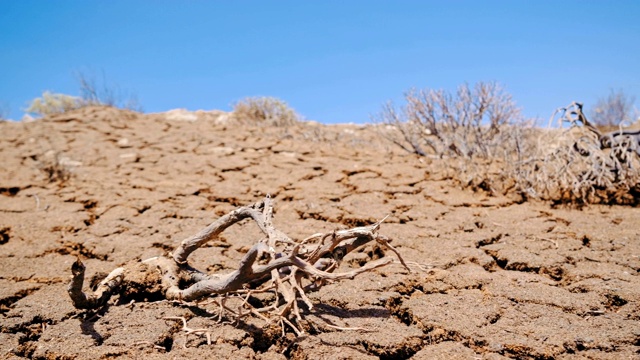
(333, 61)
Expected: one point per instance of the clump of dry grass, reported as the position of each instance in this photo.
(55, 103)
(267, 111)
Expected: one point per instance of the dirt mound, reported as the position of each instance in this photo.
(499, 278)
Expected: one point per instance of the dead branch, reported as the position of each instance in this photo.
(290, 271)
(189, 330)
(99, 297)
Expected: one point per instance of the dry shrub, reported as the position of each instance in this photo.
(92, 95)
(617, 108)
(469, 124)
(102, 93)
(483, 143)
(579, 164)
(267, 111)
(471, 131)
(53, 103)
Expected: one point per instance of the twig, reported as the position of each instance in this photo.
(554, 242)
(155, 346)
(189, 330)
(37, 201)
(423, 267)
(348, 328)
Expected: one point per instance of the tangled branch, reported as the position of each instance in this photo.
(277, 268)
(582, 164)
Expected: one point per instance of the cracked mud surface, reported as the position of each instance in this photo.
(501, 278)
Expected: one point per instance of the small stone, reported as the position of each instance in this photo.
(124, 143)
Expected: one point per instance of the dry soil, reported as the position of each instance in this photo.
(499, 278)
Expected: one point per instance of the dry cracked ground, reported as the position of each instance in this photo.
(498, 278)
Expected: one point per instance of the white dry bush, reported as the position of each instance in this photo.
(469, 130)
(268, 111)
(53, 103)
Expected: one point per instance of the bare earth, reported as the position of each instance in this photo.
(499, 278)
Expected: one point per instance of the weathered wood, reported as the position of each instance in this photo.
(282, 274)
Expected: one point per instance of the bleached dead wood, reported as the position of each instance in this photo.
(275, 265)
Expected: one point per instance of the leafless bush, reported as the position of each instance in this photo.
(267, 111)
(469, 124)
(94, 93)
(580, 164)
(614, 110)
(473, 130)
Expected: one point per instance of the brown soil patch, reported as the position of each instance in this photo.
(505, 278)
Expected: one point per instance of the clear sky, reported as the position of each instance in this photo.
(333, 61)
